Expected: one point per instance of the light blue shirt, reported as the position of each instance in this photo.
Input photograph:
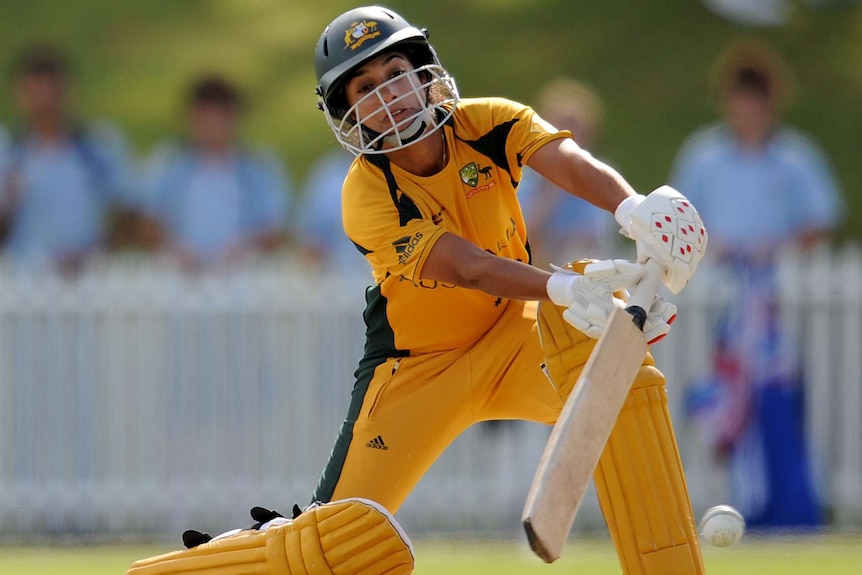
(756, 199)
(571, 215)
(319, 223)
(207, 207)
(61, 193)
(573, 227)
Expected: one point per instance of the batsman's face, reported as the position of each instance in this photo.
(386, 92)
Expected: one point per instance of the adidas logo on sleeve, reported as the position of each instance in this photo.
(377, 443)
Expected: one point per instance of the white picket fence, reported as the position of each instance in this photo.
(821, 309)
(134, 400)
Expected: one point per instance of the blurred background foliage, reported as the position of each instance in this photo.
(648, 59)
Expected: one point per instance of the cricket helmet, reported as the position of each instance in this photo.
(358, 36)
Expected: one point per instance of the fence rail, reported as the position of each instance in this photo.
(135, 400)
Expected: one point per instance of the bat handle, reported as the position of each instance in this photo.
(644, 292)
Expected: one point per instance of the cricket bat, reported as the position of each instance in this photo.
(584, 426)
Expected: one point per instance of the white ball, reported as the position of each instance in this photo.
(722, 525)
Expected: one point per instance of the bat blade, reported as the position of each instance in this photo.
(582, 430)
(579, 437)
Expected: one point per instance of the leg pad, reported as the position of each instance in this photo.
(642, 490)
(351, 536)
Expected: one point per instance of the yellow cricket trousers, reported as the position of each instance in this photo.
(406, 412)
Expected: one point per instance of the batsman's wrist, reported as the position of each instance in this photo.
(623, 213)
(560, 286)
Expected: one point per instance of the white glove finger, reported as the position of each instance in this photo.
(661, 316)
(617, 274)
(629, 269)
(582, 324)
(592, 292)
(630, 273)
(596, 314)
(656, 331)
(600, 270)
(626, 234)
(661, 308)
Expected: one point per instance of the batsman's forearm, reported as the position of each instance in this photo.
(457, 261)
(599, 184)
(579, 173)
(512, 279)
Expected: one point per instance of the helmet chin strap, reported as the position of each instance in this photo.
(411, 133)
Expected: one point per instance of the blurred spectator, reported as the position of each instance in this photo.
(4, 142)
(761, 187)
(59, 177)
(215, 201)
(752, 12)
(560, 226)
(769, 12)
(317, 227)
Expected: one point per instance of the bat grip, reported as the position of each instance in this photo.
(644, 292)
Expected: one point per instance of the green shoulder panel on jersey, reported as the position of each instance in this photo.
(362, 250)
(407, 209)
(379, 346)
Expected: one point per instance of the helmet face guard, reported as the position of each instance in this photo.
(430, 86)
(358, 36)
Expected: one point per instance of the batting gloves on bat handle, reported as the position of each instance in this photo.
(666, 227)
(589, 297)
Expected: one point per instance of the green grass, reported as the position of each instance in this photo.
(780, 556)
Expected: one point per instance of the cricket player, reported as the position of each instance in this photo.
(454, 335)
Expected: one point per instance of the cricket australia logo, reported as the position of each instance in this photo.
(359, 32)
(470, 176)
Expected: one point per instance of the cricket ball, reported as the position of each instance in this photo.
(722, 525)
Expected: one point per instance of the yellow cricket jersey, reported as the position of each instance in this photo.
(395, 217)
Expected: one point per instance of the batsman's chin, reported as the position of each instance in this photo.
(407, 132)
(409, 122)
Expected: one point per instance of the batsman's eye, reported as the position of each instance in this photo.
(364, 88)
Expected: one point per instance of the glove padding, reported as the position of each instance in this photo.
(666, 228)
(597, 284)
(590, 299)
(660, 317)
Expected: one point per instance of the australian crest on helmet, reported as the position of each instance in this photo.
(359, 32)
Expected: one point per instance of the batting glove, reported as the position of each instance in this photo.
(597, 284)
(667, 228)
(661, 316)
(589, 298)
